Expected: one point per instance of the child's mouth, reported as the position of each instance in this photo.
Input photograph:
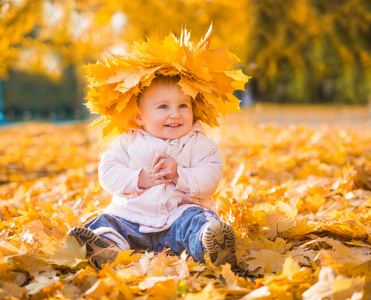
(173, 125)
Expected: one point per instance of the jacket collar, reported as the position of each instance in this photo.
(196, 127)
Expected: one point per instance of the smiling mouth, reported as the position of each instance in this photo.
(173, 125)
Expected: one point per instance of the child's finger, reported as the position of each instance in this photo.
(156, 160)
(162, 181)
(166, 158)
(158, 166)
(162, 174)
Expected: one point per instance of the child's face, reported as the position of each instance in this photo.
(165, 111)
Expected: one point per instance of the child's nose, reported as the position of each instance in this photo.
(174, 113)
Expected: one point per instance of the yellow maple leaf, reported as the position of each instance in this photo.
(42, 281)
(229, 276)
(348, 228)
(209, 292)
(290, 268)
(332, 286)
(268, 260)
(289, 283)
(167, 289)
(71, 254)
(125, 258)
(300, 227)
(344, 259)
(282, 226)
(11, 290)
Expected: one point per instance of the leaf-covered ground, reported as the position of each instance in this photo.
(299, 200)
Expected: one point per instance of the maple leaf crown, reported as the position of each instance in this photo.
(206, 75)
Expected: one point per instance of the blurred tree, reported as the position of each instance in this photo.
(309, 51)
(58, 33)
(39, 96)
(296, 50)
(47, 37)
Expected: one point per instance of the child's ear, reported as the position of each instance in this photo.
(138, 119)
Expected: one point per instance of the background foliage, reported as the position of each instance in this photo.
(39, 96)
(297, 50)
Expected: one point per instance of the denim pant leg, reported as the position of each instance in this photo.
(127, 230)
(185, 233)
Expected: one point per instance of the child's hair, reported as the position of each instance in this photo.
(166, 81)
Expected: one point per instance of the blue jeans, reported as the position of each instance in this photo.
(184, 233)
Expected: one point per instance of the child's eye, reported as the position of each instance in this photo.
(163, 106)
(183, 105)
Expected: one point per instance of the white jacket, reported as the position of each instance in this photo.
(155, 209)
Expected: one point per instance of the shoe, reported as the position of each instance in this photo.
(98, 250)
(219, 241)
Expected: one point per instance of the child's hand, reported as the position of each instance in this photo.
(154, 174)
(169, 163)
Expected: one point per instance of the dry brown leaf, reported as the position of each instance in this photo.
(42, 281)
(71, 254)
(334, 286)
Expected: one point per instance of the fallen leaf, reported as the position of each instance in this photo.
(330, 285)
(71, 254)
(40, 282)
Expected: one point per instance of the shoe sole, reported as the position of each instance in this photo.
(94, 245)
(219, 241)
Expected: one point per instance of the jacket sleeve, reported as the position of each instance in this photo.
(114, 174)
(202, 178)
